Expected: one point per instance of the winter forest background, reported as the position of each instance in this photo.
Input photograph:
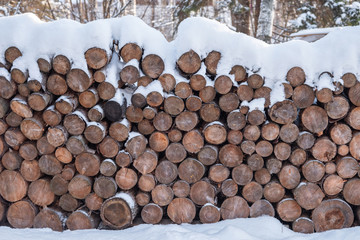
(270, 20)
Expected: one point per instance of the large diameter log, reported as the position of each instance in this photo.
(152, 65)
(181, 210)
(78, 80)
(191, 170)
(234, 207)
(347, 167)
(215, 133)
(151, 213)
(332, 214)
(40, 192)
(16, 190)
(333, 185)
(49, 218)
(189, 62)
(308, 195)
(313, 170)
(87, 164)
(119, 212)
(21, 214)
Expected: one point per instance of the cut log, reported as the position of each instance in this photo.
(305, 140)
(89, 98)
(76, 145)
(80, 186)
(51, 116)
(154, 99)
(303, 96)
(106, 90)
(108, 167)
(7, 88)
(61, 64)
(39, 101)
(337, 108)
(109, 147)
(308, 195)
(324, 95)
(162, 195)
(136, 145)
(211, 62)
(105, 187)
(261, 207)
(95, 133)
(142, 198)
(223, 84)
(23, 89)
(208, 155)
(193, 141)
(303, 225)
(130, 51)
(152, 65)
(3, 126)
(14, 138)
(181, 210)
(229, 188)
(341, 134)
(44, 147)
(58, 185)
(284, 112)
(21, 214)
(218, 173)
(209, 214)
(56, 84)
(269, 131)
(120, 130)
(333, 185)
(82, 220)
(4, 107)
(183, 90)
(255, 162)
(242, 174)
(354, 146)
(44, 64)
(245, 93)
(175, 135)
(185, 121)
(96, 58)
(181, 189)
(298, 157)
(197, 82)
(207, 94)
(255, 117)
(18, 75)
(49, 218)
(20, 106)
(126, 178)
(234, 207)
(282, 151)
(158, 141)
(315, 119)
(248, 147)
(193, 103)
(96, 113)
(289, 177)
(11, 160)
(147, 182)
(313, 170)
(123, 159)
(138, 100)
(295, 76)
(146, 162)
(215, 133)
(239, 73)
(87, 164)
(12, 53)
(288, 209)
(168, 82)
(68, 172)
(289, 133)
(354, 94)
(166, 172)
(130, 73)
(252, 132)
(332, 214)
(32, 128)
(262, 176)
(57, 135)
(75, 122)
(115, 110)
(324, 149)
(255, 81)
(189, 62)
(30, 170)
(263, 92)
(235, 137)
(176, 152)
(264, 148)
(40, 193)
(16, 190)
(50, 165)
(173, 105)
(229, 102)
(93, 202)
(347, 167)
(252, 192)
(210, 112)
(163, 121)
(330, 168)
(151, 213)
(230, 155)
(78, 80)
(274, 192)
(191, 170)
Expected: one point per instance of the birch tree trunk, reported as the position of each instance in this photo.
(265, 22)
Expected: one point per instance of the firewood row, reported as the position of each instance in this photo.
(124, 142)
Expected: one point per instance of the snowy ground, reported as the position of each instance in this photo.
(241, 229)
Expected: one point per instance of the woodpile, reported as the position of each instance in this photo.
(79, 151)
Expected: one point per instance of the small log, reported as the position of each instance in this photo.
(147, 182)
(197, 82)
(146, 162)
(264, 148)
(248, 147)
(289, 133)
(96, 114)
(347, 167)
(181, 210)
(255, 162)
(181, 189)
(215, 133)
(332, 214)
(95, 133)
(138, 100)
(39, 101)
(106, 90)
(7, 88)
(154, 99)
(130, 73)
(21, 214)
(298, 157)
(145, 127)
(324, 95)
(303, 96)
(168, 82)
(261, 207)
(223, 84)
(218, 173)
(245, 93)
(337, 108)
(89, 98)
(296, 76)
(78, 80)
(108, 167)
(315, 119)
(262, 176)
(193, 141)
(119, 212)
(44, 147)
(234, 207)
(193, 103)
(255, 81)
(173, 105)
(252, 192)
(207, 94)
(242, 174)
(209, 214)
(105, 187)
(176, 152)
(303, 225)
(63, 155)
(162, 195)
(252, 132)
(75, 122)
(175, 135)
(270, 131)
(50, 165)
(255, 117)
(32, 128)
(308, 195)
(289, 177)
(229, 102)
(23, 89)
(93, 202)
(20, 106)
(123, 159)
(189, 62)
(210, 112)
(354, 94)
(82, 220)
(44, 64)
(235, 137)
(51, 116)
(14, 138)
(87, 164)
(16, 190)
(166, 172)
(152, 65)
(136, 145)
(284, 112)
(49, 218)
(274, 192)
(76, 145)
(56, 84)
(126, 178)
(230, 155)
(58, 185)
(68, 172)
(305, 140)
(61, 64)
(183, 90)
(239, 72)
(162, 121)
(120, 130)
(40, 193)
(229, 188)
(18, 75)
(333, 185)
(330, 168)
(4, 107)
(354, 146)
(109, 147)
(130, 51)
(158, 141)
(80, 186)
(142, 198)
(12, 53)
(30, 170)
(191, 170)
(288, 209)
(313, 170)
(57, 135)
(151, 213)
(282, 151)
(208, 155)
(11, 160)
(324, 149)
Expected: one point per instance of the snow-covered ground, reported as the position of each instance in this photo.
(264, 228)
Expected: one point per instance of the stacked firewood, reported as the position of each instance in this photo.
(99, 147)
